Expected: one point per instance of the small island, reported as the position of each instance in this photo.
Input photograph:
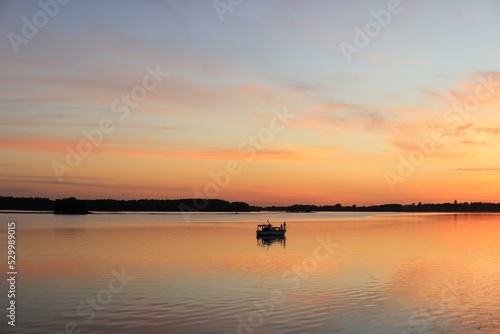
(70, 206)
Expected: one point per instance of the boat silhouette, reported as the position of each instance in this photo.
(268, 230)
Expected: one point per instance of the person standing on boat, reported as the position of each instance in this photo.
(284, 225)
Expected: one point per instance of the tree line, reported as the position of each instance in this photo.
(218, 205)
(45, 204)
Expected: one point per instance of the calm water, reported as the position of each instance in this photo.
(334, 273)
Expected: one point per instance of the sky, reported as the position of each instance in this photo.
(269, 102)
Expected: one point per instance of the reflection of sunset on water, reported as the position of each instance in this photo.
(346, 273)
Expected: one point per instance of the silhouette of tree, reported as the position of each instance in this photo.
(70, 206)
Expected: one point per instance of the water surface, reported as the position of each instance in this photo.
(207, 273)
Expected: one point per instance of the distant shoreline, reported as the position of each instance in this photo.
(160, 213)
(110, 206)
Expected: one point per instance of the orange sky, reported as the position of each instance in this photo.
(263, 106)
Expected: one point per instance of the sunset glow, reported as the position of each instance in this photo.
(260, 103)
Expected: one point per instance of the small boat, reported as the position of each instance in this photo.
(268, 230)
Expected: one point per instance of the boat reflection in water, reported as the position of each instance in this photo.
(267, 241)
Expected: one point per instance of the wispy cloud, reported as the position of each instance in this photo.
(491, 130)
(478, 169)
(50, 145)
(291, 153)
